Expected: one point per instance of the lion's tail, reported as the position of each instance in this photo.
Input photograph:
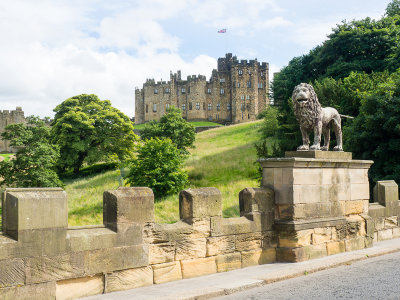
(345, 116)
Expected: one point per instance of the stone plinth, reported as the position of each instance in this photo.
(316, 195)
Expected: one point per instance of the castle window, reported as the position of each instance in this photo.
(221, 80)
(204, 106)
(167, 106)
(154, 107)
(167, 90)
(209, 106)
(184, 107)
(240, 72)
(183, 90)
(248, 106)
(243, 107)
(238, 84)
(208, 91)
(219, 106)
(248, 84)
(249, 72)
(156, 91)
(261, 74)
(242, 97)
(147, 108)
(190, 106)
(260, 86)
(228, 106)
(143, 100)
(197, 105)
(188, 89)
(222, 91)
(247, 97)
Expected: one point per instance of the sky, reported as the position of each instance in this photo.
(54, 49)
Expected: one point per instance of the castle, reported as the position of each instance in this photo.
(236, 92)
(6, 118)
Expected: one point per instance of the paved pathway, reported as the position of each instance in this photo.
(375, 278)
(230, 282)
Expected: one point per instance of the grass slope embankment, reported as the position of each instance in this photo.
(224, 158)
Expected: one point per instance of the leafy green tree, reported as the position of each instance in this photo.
(35, 160)
(89, 130)
(158, 165)
(174, 127)
(393, 8)
(375, 132)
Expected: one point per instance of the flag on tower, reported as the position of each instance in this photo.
(222, 31)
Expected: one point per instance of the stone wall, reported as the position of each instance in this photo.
(42, 258)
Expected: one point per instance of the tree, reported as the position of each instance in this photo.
(89, 130)
(158, 165)
(375, 132)
(393, 8)
(35, 160)
(174, 127)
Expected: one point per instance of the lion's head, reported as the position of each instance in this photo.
(306, 106)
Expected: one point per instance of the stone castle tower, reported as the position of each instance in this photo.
(6, 118)
(236, 92)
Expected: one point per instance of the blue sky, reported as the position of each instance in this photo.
(54, 49)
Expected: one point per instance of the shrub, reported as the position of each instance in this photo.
(158, 165)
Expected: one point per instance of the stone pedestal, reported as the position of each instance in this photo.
(317, 195)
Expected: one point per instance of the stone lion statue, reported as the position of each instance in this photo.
(313, 117)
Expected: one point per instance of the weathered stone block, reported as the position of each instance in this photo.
(30, 292)
(198, 267)
(190, 248)
(108, 260)
(79, 287)
(29, 209)
(353, 207)
(307, 176)
(385, 234)
(129, 279)
(44, 268)
(12, 272)
(334, 176)
(359, 191)
(315, 251)
(396, 232)
(162, 233)
(91, 239)
(289, 254)
(200, 203)
(128, 205)
(256, 200)
(322, 235)
(391, 222)
(228, 262)
(129, 234)
(358, 175)
(220, 245)
(356, 243)
(229, 226)
(296, 239)
(167, 272)
(268, 177)
(248, 241)
(386, 193)
(161, 253)
(269, 239)
(335, 247)
(258, 257)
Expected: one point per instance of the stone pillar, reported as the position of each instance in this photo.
(37, 219)
(126, 210)
(319, 197)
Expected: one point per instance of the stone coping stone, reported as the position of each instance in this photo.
(297, 225)
(300, 162)
(320, 154)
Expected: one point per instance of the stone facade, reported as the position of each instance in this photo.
(311, 204)
(6, 118)
(236, 92)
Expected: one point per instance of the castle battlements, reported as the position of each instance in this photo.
(233, 94)
(8, 117)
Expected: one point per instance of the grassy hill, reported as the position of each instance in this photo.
(224, 158)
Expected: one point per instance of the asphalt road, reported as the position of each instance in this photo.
(374, 278)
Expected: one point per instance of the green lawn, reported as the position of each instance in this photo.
(224, 158)
(200, 123)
